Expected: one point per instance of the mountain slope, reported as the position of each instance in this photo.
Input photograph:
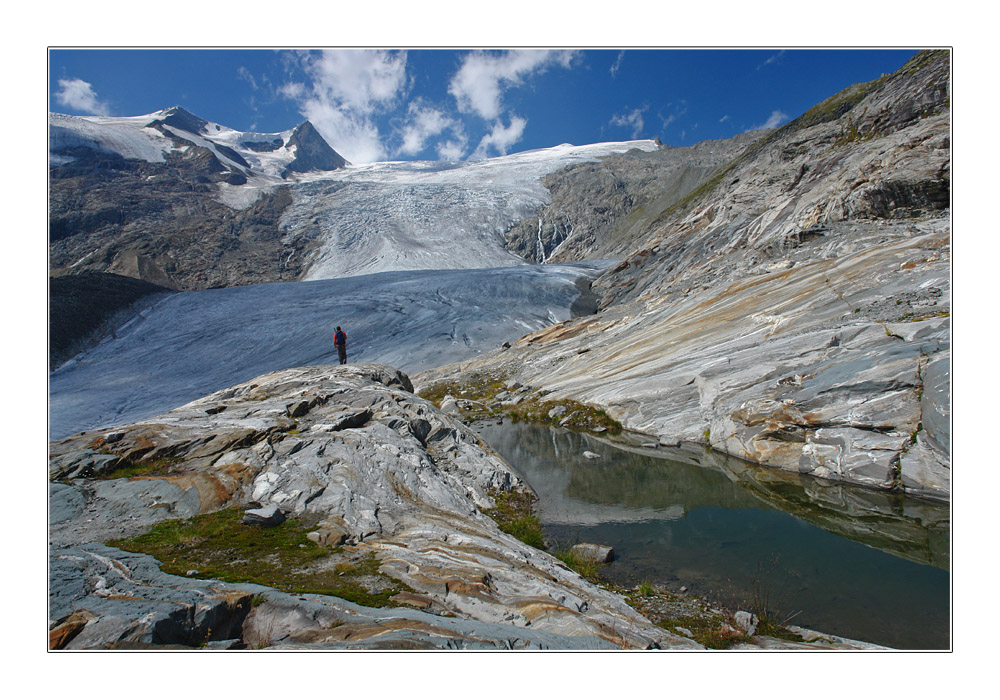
(151, 197)
(176, 200)
(794, 309)
(598, 208)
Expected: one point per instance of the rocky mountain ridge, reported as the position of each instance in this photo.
(173, 199)
(794, 309)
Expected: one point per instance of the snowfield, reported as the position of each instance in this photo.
(193, 343)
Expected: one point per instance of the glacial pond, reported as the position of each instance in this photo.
(839, 559)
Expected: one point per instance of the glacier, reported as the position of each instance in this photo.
(415, 215)
(190, 344)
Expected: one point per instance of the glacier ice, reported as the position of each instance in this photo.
(193, 343)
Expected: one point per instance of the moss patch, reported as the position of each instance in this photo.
(162, 466)
(219, 546)
(477, 398)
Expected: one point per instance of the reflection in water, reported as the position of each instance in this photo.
(849, 561)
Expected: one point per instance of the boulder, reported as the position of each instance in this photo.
(591, 455)
(450, 406)
(82, 463)
(599, 553)
(268, 516)
(331, 536)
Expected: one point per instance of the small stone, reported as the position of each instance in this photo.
(557, 412)
(591, 455)
(746, 621)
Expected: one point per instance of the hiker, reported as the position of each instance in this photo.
(340, 342)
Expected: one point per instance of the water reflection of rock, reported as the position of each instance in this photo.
(631, 483)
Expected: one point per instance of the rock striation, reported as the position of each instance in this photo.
(793, 310)
(373, 468)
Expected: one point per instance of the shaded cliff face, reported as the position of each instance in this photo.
(84, 307)
(794, 309)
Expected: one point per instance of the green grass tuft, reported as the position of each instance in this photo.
(515, 515)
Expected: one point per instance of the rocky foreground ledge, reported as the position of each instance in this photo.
(388, 492)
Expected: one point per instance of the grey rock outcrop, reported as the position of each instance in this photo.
(263, 517)
(409, 486)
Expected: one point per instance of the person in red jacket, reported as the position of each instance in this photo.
(340, 342)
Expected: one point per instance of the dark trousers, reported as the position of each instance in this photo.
(342, 354)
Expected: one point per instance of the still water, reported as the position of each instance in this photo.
(835, 558)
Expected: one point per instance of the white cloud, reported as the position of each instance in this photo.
(618, 64)
(451, 150)
(78, 94)
(345, 92)
(292, 91)
(725, 118)
(772, 59)
(246, 75)
(776, 118)
(500, 138)
(425, 122)
(480, 81)
(633, 120)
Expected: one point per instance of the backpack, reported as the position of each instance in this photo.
(339, 338)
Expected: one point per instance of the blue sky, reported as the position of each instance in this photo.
(456, 105)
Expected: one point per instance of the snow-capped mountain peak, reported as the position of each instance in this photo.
(152, 137)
